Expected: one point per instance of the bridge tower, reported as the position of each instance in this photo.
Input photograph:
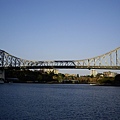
(2, 74)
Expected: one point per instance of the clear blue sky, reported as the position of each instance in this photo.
(59, 29)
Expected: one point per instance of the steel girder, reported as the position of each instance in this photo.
(110, 60)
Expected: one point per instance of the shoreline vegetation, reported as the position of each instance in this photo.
(29, 76)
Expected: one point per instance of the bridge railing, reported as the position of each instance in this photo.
(110, 60)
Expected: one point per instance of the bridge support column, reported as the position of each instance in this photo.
(2, 74)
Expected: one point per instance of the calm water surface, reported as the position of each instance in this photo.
(59, 102)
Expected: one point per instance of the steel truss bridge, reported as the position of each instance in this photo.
(110, 60)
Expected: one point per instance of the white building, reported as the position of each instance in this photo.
(51, 70)
(93, 72)
(109, 74)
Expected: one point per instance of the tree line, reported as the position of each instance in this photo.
(39, 76)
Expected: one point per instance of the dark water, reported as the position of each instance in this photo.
(59, 102)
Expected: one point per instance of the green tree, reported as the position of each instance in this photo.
(39, 78)
(117, 79)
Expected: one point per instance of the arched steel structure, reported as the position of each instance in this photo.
(110, 60)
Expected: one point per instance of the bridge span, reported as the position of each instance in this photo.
(109, 60)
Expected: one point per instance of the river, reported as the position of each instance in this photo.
(59, 102)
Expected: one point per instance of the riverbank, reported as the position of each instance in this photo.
(27, 76)
(118, 85)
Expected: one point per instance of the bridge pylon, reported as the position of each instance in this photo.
(2, 74)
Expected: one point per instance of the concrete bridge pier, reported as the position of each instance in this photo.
(2, 74)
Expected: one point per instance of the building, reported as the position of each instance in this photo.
(51, 70)
(109, 74)
(93, 73)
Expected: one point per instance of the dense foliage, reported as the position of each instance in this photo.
(39, 76)
(32, 76)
